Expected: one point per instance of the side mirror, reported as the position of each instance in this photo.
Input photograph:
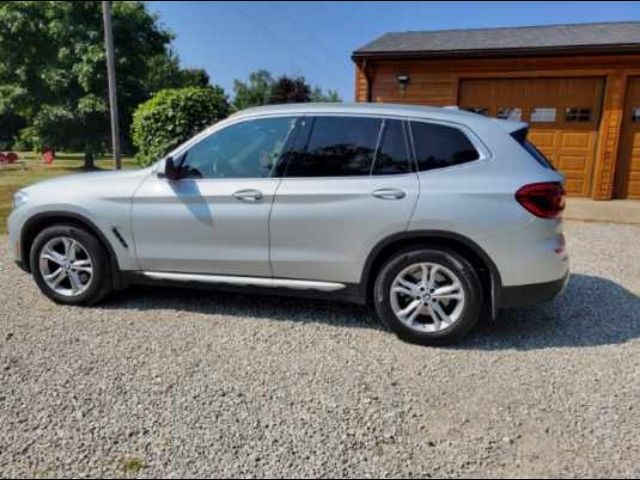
(171, 171)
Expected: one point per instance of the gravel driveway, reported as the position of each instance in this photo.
(159, 382)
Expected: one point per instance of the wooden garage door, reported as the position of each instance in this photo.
(628, 168)
(564, 114)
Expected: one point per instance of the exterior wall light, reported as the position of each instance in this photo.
(403, 80)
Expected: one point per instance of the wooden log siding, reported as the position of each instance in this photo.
(437, 82)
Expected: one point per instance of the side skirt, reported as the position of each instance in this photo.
(350, 293)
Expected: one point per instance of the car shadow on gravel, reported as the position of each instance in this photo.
(592, 311)
(240, 305)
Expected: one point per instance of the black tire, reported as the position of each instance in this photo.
(459, 266)
(101, 283)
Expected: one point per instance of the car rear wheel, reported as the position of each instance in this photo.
(70, 266)
(428, 296)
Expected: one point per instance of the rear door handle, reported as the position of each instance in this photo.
(389, 194)
(249, 195)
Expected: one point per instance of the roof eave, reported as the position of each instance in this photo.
(498, 52)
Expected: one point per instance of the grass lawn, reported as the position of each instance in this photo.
(30, 169)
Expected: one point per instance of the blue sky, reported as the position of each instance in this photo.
(315, 39)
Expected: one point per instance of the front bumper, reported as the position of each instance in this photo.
(14, 229)
(527, 295)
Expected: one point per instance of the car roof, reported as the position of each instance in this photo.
(452, 113)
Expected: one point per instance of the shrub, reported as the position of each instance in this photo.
(172, 116)
(27, 140)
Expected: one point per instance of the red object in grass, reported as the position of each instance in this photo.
(12, 157)
(3, 158)
(48, 156)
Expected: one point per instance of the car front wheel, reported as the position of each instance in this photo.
(428, 296)
(70, 266)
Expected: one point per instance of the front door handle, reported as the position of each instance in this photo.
(389, 194)
(249, 195)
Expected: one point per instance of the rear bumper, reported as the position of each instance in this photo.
(527, 295)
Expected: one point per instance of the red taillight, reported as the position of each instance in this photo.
(544, 200)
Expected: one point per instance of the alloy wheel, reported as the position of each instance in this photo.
(66, 266)
(427, 297)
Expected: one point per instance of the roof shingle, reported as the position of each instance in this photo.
(502, 40)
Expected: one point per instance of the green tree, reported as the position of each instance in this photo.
(164, 71)
(173, 116)
(317, 95)
(253, 93)
(290, 90)
(53, 70)
(263, 89)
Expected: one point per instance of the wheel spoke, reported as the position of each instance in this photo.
(412, 318)
(432, 276)
(448, 292)
(82, 266)
(53, 275)
(66, 243)
(425, 274)
(446, 289)
(76, 284)
(406, 284)
(410, 309)
(403, 290)
(52, 255)
(60, 275)
(70, 249)
(441, 315)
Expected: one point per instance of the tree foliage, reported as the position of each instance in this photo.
(53, 69)
(290, 90)
(164, 71)
(255, 92)
(173, 116)
(332, 96)
(263, 89)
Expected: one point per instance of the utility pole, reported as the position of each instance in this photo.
(111, 74)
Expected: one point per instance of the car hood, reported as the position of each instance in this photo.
(83, 188)
(108, 178)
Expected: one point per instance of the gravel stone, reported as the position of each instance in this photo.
(160, 382)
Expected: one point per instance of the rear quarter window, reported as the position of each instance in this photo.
(441, 146)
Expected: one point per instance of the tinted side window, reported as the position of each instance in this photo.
(245, 150)
(336, 147)
(439, 146)
(393, 155)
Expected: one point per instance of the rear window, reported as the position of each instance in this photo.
(440, 146)
(520, 136)
(538, 155)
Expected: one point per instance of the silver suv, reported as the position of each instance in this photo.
(434, 216)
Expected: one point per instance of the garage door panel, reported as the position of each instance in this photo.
(543, 139)
(568, 139)
(583, 140)
(627, 183)
(573, 187)
(575, 163)
(634, 189)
